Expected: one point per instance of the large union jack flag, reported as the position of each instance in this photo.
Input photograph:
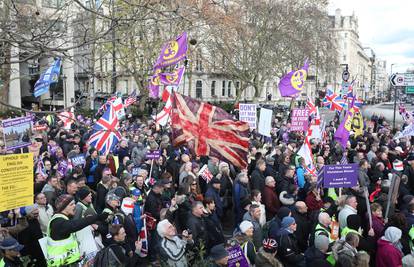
(105, 132)
(209, 130)
(333, 101)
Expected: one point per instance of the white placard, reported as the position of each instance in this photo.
(247, 113)
(265, 121)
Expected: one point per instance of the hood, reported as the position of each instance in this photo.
(392, 234)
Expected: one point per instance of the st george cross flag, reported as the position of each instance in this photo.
(209, 130)
(50, 76)
(67, 118)
(105, 132)
(172, 52)
(293, 83)
(173, 78)
(306, 151)
(342, 133)
(163, 117)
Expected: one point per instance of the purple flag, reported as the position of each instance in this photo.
(154, 90)
(293, 83)
(172, 52)
(342, 133)
(173, 78)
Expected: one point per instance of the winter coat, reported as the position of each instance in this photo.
(312, 203)
(197, 226)
(388, 255)
(247, 247)
(214, 230)
(257, 230)
(215, 195)
(271, 202)
(153, 205)
(378, 226)
(45, 214)
(343, 215)
(303, 229)
(288, 249)
(258, 180)
(314, 257)
(240, 192)
(264, 259)
(173, 251)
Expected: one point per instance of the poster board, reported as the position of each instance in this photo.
(247, 113)
(17, 132)
(299, 119)
(265, 121)
(16, 181)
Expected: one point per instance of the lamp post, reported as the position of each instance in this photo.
(64, 91)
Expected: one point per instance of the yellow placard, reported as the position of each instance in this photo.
(16, 181)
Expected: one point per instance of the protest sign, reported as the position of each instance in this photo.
(16, 181)
(247, 113)
(265, 121)
(299, 119)
(205, 173)
(344, 175)
(236, 257)
(408, 131)
(78, 160)
(156, 154)
(17, 132)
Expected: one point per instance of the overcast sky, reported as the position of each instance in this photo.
(385, 26)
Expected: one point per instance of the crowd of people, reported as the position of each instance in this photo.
(162, 212)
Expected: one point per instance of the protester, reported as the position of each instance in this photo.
(245, 239)
(266, 256)
(389, 253)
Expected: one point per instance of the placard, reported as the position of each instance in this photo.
(16, 181)
(156, 154)
(236, 257)
(265, 121)
(299, 119)
(17, 132)
(344, 175)
(247, 113)
(78, 160)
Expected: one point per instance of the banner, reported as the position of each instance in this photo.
(172, 52)
(236, 257)
(16, 181)
(293, 83)
(173, 78)
(153, 154)
(17, 132)
(247, 113)
(299, 119)
(408, 131)
(336, 176)
(265, 121)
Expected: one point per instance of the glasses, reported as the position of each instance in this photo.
(194, 184)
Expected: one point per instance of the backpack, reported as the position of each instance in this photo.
(266, 228)
(106, 258)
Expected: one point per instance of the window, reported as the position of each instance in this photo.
(51, 3)
(199, 63)
(229, 89)
(237, 85)
(223, 89)
(199, 89)
(126, 86)
(213, 88)
(346, 35)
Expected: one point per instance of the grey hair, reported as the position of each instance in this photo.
(162, 227)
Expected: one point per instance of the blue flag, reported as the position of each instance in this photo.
(50, 76)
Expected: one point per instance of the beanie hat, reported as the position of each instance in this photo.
(353, 221)
(136, 192)
(287, 221)
(218, 252)
(245, 202)
(321, 242)
(244, 226)
(83, 193)
(269, 245)
(62, 202)
(110, 197)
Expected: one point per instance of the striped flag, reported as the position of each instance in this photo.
(344, 159)
(131, 99)
(320, 176)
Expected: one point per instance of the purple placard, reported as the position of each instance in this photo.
(153, 154)
(299, 119)
(15, 130)
(345, 175)
(236, 257)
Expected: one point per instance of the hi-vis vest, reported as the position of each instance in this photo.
(319, 228)
(2, 263)
(61, 252)
(411, 235)
(348, 230)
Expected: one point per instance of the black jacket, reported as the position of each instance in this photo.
(288, 250)
(61, 229)
(303, 229)
(153, 205)
(315, 257)
(214, 230)
(258, 180)
(197, 226)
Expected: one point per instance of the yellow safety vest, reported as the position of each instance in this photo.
(61, 252)
(348, 230)
(319, 228)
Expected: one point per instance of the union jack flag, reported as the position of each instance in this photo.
(311, 106)
(131, 99)
(67, 118)
(333, 101)
(209, 130)
(105, 132)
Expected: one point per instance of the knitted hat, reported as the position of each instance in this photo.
(245, 202)
(287, 221)
(136, 192)
(245, 225)
(269, 245)
(83, 193)
(62, 202)
(218, 252)
(9, 243)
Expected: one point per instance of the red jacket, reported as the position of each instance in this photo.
(271, 201)
(312, 203)
(388, 255)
